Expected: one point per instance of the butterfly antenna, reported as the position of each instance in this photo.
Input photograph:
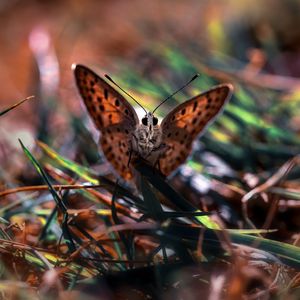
(194, 77)
(106, 76)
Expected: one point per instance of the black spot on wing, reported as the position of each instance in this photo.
(195, 105)
(106, 94)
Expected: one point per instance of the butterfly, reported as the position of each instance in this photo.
(166, 145)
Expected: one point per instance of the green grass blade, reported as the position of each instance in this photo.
(56, 197)
(81, 171)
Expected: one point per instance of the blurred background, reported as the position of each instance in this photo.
(41, 39)
(150, 48)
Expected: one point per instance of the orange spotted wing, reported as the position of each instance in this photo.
(184, 123)
(112, 114)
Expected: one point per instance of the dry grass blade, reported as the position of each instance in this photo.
(273, 180)
(45, 187)
(15, 105)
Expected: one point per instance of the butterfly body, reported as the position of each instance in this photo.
(147, 138)
(123, 136)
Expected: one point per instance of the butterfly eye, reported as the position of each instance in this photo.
(145, 121)
(155, 121)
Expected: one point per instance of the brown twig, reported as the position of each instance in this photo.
(45, 187)
(273, 180)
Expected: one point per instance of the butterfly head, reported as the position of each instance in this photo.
(150, 121)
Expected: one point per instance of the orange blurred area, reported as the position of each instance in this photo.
(101, 32)
(89, 32)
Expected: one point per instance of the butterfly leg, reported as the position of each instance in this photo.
(129, 153)
(132, 148)
(158, 153)
(129, 158)
(158, 165)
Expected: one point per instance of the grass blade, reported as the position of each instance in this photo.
(3, 112)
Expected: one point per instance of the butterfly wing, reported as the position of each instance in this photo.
(183, 124)
(112, 114)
